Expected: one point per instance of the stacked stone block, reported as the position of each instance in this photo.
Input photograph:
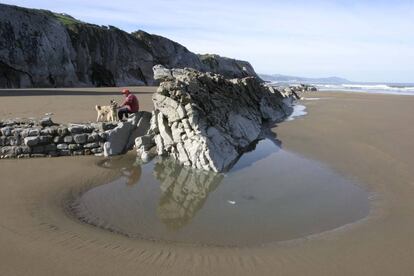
(23, 138)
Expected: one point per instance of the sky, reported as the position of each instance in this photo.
(363, 40)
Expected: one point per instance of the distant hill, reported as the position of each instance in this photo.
(295, 79)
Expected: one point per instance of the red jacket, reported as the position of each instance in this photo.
(131, 102)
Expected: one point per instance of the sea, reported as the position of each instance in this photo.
(383, 88)
(366, 87)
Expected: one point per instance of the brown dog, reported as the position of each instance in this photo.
(107, 113)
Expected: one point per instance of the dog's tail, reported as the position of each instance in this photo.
(97, 107)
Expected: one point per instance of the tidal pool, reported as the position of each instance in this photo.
(270, 195)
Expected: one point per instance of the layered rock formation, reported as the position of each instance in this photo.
(296, 90)
(206, 121)
(42, 49)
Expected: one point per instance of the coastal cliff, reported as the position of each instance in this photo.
(39, 48)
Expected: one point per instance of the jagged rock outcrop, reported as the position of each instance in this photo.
(231, 68)
(39, 48)
(206, 121)
(296, 90)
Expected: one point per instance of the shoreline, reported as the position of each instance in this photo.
(373, 92)
(361, 136)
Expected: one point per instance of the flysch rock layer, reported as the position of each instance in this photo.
(206, 121)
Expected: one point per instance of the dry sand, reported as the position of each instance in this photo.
(66, 104)
(362, 136)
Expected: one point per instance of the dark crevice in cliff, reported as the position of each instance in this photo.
(11, 77)
(101, 76)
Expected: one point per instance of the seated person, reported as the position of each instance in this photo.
(130, 104)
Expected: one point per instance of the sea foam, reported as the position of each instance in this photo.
(397, 89)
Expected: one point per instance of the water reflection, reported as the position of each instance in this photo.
(128, 165)
(183, 191)
(258, 150)
(258, 201)
(133, 174)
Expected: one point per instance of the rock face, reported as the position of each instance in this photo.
(206, 121)
(39, 48)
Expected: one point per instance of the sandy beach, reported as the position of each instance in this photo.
(365, 137)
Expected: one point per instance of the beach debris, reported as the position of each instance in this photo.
(231, 202)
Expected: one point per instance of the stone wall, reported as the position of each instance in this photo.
(22, 138)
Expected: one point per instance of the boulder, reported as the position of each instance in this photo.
(62, 146)
(31, 132)
(57, 139)
(91, 145)
(46, 122)
(76, 129)
(68, 139)
(74, 147)
(6, 131)
(142, 128)
(122, 138)
(80, 138)
(31, 141)
(45, 139)
(3, 141)
(50, 148)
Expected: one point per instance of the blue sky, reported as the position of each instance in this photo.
(359, 40)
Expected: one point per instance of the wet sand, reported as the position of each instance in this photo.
(364, 137)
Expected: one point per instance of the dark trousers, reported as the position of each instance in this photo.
(123, 111)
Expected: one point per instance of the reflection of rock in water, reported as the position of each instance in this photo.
(184, 191)
(258, 150)
(133, 174)
(126, 164)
